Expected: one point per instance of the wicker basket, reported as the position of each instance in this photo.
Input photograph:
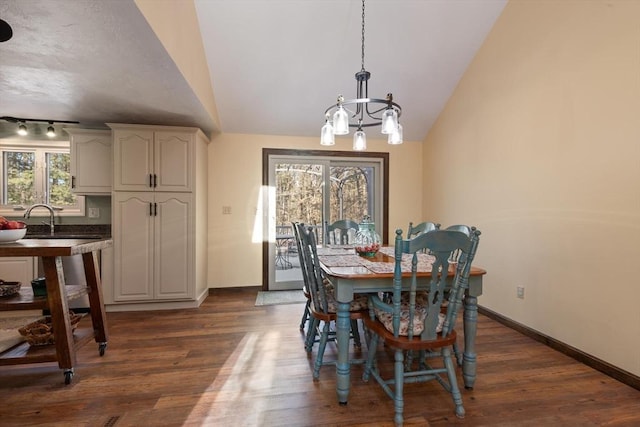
(40, 332)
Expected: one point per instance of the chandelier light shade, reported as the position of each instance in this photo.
(395, 138)
(362, 111)
(359, 140)
(340, 119)
(389, 121)
(326, 135)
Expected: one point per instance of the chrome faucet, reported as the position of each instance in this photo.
(51, 224)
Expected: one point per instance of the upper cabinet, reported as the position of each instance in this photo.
(153, 158)
(91, 162)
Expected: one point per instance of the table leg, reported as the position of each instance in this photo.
(470, 328)
(59, 308)
(96, 302)
(343, 326)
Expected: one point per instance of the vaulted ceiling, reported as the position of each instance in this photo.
(275, 65)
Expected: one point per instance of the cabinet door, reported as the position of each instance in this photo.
(173, 246)
(91, 162)
(172, 161)
(18, 269)
(132, 160)
(133, 244)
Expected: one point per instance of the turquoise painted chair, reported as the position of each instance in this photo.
(341, 232)
(305, 285)
(323, 304)
(406, 326)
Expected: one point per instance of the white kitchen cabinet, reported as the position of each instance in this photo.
(154, 238)
(18, 269)
(91, 161)
(153, 158)
(159, 212)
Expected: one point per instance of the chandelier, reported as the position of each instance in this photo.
(362, 112)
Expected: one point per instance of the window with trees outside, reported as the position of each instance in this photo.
(37, 173)
(317, 188)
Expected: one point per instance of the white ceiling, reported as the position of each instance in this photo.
(276, 65)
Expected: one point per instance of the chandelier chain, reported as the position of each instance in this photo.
(363, 35)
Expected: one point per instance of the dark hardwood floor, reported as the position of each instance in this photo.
(230, 363)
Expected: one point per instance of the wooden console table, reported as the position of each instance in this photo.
(58, 294)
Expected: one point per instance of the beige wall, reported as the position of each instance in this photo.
(540, 148)
(176, 25)
(235, 179)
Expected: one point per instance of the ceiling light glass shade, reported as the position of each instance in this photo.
(22, 130)
(326, 135)
(359, 140)
(51, 132)
(340, 122)
(395, 138)
(389, 121)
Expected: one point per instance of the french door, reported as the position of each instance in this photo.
(315, 188)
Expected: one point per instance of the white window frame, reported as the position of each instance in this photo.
(38, 147)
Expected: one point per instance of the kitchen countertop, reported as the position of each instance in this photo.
(102, 230)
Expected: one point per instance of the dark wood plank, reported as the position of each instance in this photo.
(230, 363)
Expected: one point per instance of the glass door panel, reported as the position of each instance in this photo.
(297, 185)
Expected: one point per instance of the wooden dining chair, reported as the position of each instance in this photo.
(423, 227)
(305, 285)
(323, 303)
(341, 232)
(421, 326)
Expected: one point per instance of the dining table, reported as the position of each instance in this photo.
(351, 273)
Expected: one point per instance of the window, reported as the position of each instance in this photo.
(33, 172)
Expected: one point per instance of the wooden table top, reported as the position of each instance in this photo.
(53, 247)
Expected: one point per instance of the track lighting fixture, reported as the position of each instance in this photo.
(22, 124)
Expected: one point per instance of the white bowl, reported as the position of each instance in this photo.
(8, 236)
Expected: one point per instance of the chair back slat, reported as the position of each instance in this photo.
(341, 232)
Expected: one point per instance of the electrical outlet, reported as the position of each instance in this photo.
(520, 292)
(226, 210)
(94, 212)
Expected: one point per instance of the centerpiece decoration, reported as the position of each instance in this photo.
(367, 242)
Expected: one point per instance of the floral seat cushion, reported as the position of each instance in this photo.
(360, 301)
(386, 318)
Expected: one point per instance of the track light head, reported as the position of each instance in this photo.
(22, 129)
(51, 132)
